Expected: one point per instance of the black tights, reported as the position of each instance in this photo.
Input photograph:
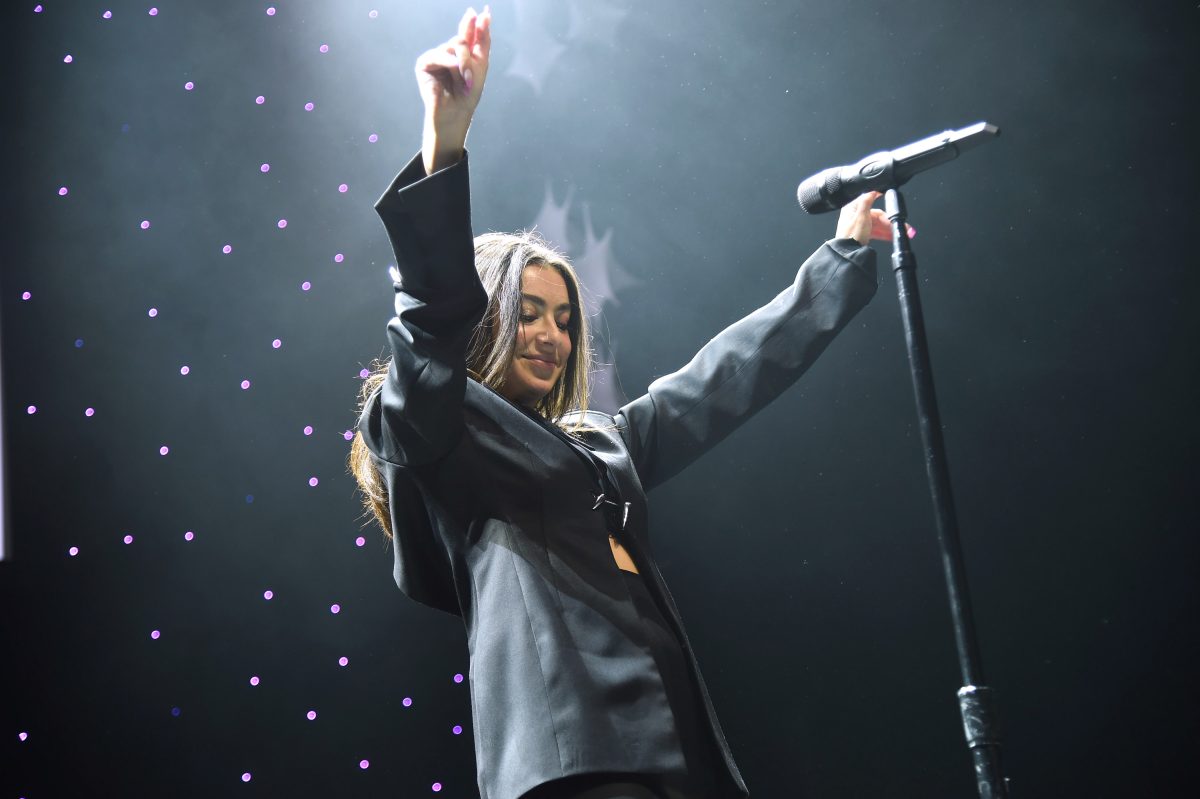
(597, 786)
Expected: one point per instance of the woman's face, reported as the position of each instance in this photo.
(543, 343)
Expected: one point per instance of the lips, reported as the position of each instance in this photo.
(546, 361)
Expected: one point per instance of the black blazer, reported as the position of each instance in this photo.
(493, 513)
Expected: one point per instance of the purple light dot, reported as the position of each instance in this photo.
(407, 701)
(163, 450)
(324, 48)
(249, 499)
(78, 343)
(24, 736)
(265, 168)
(308, 106)
(246, 777)
(364, 763)
(89, 412)
(348, 435)
(335, 608)
(153, 12)
(276, 344)
(31, 410)
(183, 370)
(343, 661)
(245, 385)
(155, 634)
(254, 680)
(175, 712)
(337, 259)
(67, 59)
(343, 188)
(458, 678)
(189, 535)
(372, 13)
(62, 191)
(364, 373)
(437, 786)
(360, 541)
(228, 248)
(456, 729)
(308, 429)
(37, 9)
(268, 594)
(311, 715)
(312, 481)
(145, 224)
(260, 100)
(25, 295)
(153, 312)
(305, 286)
(107, 15)
(73, 551)
(189, 86)
(374, 137)
(282, 223)
(128, 539)
(271, 11)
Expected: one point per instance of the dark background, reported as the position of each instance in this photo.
(1057, 269)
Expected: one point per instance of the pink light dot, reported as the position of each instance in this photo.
(189, 86)
(372, 13)
(437, 786)
(25, 295)
(364, 373)
(260, 100)
(348, 435)
(155, 634)
(337, 259)
(407, 701)
(189, 535)
(245, 385)
(308, 429)
(311, 715)
(343, 661)
(305, 286)
(89, 412)
(364, 763)
(183, 370)
(265, 168)
(73, 551)
(456, 729)
(31, 410)
(128, 539)
(309, 106)
(373, 138)
(276, 344)
(67, 59)
(24, 735)
(458, 678)
(62, 191)
(153, 312)
(335, 608)
(246, 777)
(343, 188)
(163, 450)
(145, 224)
(228, 248)
(271, 11)
(324, 48)
(107, 15)
(254, 680)
(153, 12)
(360, 541)
(268, 594)
(282, 223)
(312, 481)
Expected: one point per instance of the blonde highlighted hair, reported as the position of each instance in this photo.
(500, 260)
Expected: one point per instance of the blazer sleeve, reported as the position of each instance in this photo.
(747, 365)
(417, 416)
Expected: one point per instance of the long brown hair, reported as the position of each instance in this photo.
(500, 260)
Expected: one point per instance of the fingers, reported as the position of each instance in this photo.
(484, 30)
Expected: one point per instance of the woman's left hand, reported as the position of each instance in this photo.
(861, 222)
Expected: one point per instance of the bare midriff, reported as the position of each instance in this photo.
(621, 556)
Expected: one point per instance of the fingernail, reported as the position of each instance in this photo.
(468, 79)
(912, 232)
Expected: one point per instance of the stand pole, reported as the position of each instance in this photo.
(974, 698)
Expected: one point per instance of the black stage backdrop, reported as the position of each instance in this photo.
(177, 543)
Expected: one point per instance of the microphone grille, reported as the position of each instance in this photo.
(813, 193)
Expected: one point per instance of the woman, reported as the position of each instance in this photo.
(512, 505)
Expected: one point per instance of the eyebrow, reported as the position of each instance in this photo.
(539, 302)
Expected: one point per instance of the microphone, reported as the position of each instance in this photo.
(832, 188)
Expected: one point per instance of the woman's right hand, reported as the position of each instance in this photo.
(451, 77)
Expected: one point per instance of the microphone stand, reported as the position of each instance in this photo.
(974, 698)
